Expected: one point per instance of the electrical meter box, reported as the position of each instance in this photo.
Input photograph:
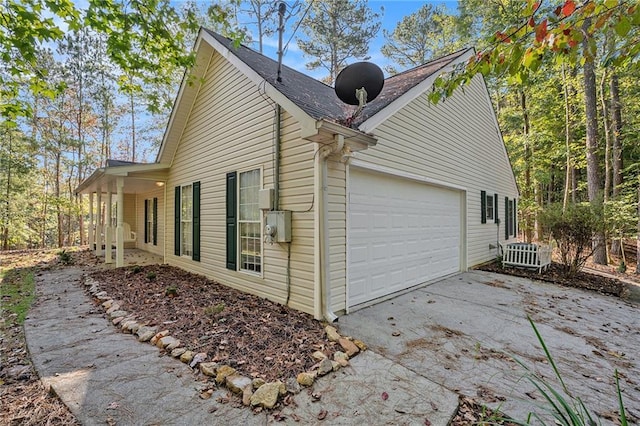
(278, 226)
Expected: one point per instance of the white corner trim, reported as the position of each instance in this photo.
(381, 116)
(354, 162)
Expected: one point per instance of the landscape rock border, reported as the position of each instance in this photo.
(253, 392)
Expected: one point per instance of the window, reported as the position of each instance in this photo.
(148, 221)
(186, 224)
(151, 221)
(249, 223)
(511, 217)
(490, 206)
(186, 216)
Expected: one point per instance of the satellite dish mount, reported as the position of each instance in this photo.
(358, 84)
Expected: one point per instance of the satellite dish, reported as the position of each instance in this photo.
(357, 76)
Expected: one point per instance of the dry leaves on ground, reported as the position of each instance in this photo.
(257, 337)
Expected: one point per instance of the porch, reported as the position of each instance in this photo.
(123, 211)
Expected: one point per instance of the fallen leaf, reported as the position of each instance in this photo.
(427, 422)
(385, 396)
(322, 415)
(395, 333)
(113, 406)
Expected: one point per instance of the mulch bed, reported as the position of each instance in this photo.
(556, 274)
(257, 337)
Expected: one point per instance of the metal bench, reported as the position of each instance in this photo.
(526, 256)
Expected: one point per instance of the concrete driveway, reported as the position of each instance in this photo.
(462, 333)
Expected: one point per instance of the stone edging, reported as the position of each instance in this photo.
(254, 392)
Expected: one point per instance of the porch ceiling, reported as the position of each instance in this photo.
(137, 178)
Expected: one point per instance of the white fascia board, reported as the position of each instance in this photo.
(87, 184)
(381, 116)
(305, 120)
(134, 168)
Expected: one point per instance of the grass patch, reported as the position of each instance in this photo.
(17, 293)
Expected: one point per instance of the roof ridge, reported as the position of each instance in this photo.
(452, 56)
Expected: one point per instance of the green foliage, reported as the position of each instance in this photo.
(65, 257)
(621, 217)
(151, 276)
(212, 311)
(338, 30)
(136, 269)
(566, 409)
(549, 33)
(17, 292)
(427, 33)
(171, 291)
(573, 231)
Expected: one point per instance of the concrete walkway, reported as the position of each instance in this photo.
(464, 331)
(106, 377)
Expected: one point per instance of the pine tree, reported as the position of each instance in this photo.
(337, 31)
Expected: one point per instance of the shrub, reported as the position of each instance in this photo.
(65, 257)
(151, 276)
(573, 230)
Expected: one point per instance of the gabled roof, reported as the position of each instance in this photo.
(313, 103)
(319, 100)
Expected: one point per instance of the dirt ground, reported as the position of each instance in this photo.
(257, 337)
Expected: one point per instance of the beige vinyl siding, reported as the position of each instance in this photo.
(231, 128)
(457, 142)
(337, 234)
(140, 199)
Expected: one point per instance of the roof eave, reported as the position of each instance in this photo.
(354, 139)
(369, 125)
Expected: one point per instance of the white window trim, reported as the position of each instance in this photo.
(238, 222)
(149, 223)
(490, 207)
(182, 187)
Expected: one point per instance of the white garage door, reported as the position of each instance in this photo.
(401, 233)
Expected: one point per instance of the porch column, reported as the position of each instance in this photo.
(108, 231)
(120, 227)
(99, 226)
(91, 224)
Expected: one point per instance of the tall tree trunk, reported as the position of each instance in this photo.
(591, 115)
(616, 119)
(527, 163)
(638, 238)
(568, 137)
(58, 207)
(7, 213)
(78, 198)
(607, 137)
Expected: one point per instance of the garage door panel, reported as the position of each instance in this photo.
(401, 233)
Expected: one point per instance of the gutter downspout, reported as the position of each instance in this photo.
(276, 172)
(325, 273)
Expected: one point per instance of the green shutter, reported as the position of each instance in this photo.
(146, 219)
(506, 218)
(483, 206)
(196, 222)
(155, 221)
(495, 208)
(514, 212)
(176, 223)
(232, 234)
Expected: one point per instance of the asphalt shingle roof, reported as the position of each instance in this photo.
(320, 100)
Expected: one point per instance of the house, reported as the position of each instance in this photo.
(407, 193)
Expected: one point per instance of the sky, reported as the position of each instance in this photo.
(394, 11)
